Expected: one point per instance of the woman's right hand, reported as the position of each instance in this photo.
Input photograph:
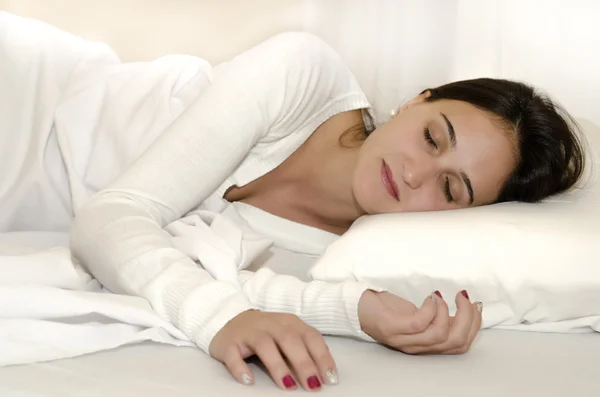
(271, 337)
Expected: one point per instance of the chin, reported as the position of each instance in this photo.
(368, 201)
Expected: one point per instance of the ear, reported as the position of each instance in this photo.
(416, 100)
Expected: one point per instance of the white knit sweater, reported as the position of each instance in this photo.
(259, 108)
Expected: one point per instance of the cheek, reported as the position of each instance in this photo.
(426, 198)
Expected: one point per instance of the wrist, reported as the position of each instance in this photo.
(366, 310)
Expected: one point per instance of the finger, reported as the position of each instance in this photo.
(440, 327)
(476, 326)
(416, 323)
(237, 367)
(461, 326)
(477, 308)
(437, 332)
(319, 351)
(266, 349)
(297, 354)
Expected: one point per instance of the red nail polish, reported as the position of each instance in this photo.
(289, 382)
(465, 294)
(438, 293)
(313, 382)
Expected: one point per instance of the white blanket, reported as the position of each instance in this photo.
(50, 308)
(72, 118)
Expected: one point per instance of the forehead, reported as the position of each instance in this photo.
(485, 148)
(472, 119)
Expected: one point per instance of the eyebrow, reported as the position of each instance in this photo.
(463, 175)
(450, 130)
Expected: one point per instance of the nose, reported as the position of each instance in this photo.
(416, 172)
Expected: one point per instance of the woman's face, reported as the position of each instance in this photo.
(433, 156)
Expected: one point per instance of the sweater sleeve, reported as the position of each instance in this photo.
(331, 308)
(118, 234)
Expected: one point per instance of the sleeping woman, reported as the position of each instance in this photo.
(285, 131)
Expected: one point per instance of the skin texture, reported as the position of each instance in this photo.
(328, 186)
(417, 147)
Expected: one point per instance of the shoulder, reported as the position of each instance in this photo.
(298, 55)
(312, 70)
(304, 51)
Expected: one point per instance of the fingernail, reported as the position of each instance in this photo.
(331, 377)
(479, 307)
(289, 382)
(438, 293)
(465, 294)
(246, 379)
(313, 382)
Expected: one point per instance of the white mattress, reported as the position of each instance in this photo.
(501, 363)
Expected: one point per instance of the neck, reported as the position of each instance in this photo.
(325, 184)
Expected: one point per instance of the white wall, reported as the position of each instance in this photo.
(143, 29)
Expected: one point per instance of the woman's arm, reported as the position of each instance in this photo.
(331, 308)
(118, 235)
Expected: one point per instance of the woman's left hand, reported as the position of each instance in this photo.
(399, 324)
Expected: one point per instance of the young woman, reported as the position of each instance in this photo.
(285, 133)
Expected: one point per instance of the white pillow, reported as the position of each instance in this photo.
(534, 266)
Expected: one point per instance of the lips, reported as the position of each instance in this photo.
(388, 181)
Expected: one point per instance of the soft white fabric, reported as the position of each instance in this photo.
(257, 110)
(397, 48)
(62, 311)
(73, 117)
(230, 125)
(51, 309)
(534, 266)
(214, 240)
(537, 365)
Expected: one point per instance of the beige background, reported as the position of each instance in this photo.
(143, 29)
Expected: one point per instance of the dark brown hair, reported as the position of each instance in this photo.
(550, 155)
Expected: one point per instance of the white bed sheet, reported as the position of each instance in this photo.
(501, 363)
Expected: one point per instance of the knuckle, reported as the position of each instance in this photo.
(262, 341)
(311, 335)
(417, 325)
(289, 320)
(231, 352)
(460, 341)
(321, 352)
(440, 334)
(287, 337)
(304, 366)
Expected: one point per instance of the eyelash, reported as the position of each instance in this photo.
(429, 139)
(447, 192)
(431, 142)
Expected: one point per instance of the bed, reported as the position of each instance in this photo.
(501, 363)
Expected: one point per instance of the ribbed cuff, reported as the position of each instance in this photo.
(222, 312)
(196, 303)
(331, 308)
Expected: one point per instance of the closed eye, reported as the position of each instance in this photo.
(429, 139)
(447, 192)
